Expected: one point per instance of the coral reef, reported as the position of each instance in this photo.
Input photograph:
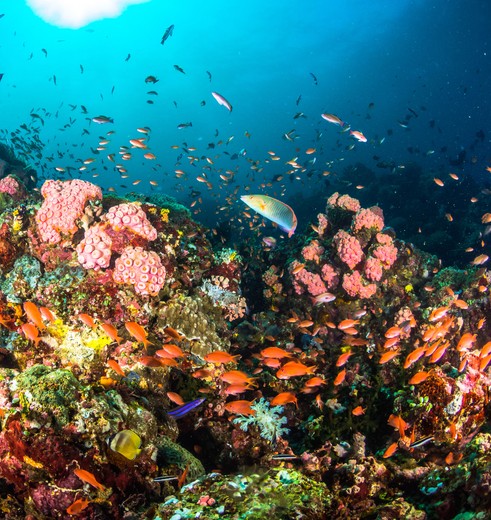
(345, 366)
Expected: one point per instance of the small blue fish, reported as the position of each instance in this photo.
(183, 410)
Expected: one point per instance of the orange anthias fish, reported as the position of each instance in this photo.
(294, 369)
(78, 506)
(138, 332)
(31, 333)
(274, 210)
(284, 398)
(114, 365)
(111, 332)
(88, 320)
(87, 476)
(33, 314)
(219, 357)
(235, 377)
(275, 352)
(240, 407)
(390, 450)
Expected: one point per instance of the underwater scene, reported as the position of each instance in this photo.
(244, 259)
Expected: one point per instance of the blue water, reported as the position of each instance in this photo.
(373, 62)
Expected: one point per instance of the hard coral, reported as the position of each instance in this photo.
(94, 251)
(131, 217)
(143, 269)
(64, 204)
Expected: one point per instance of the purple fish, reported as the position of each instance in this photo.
(183, 410)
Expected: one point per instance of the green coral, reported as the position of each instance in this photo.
(171, 453)
(43, 391)
(22, 280)
(279, 493)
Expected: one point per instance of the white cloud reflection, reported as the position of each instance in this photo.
(77, 13)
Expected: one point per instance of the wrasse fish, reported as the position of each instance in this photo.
(358, 136)
(183, 410)
(240, 407)
(421, 442)
(33, 314)
(167, 34)
(87, 476)
(274, 210)
(126, 443)
(284, 456)
(323, 298)
(222, 101)
(138, 332)
(294, 369)
(102, 120)
(331, 118)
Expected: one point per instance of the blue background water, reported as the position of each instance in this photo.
(432, 57)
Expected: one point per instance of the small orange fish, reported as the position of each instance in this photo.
(219, 357)
(343, 359)
(47, 314)
(318, 402)
(116, 367)
(398, 423)
(461, 304)
(88, 320)
(438, 181)
(150, 361)
(284, 398)
(173, 334)
(87, 476)
(236, 377)
(393, 332)
(314, 382)
(298, 268)
(275, 352)
(33, 314)
(466, 342)
(390, 450)
(358, 411)
(388, 356)
(240, 407)
(138, 332)
(294, 369)
(111, 332)
(340, 378)
(306, 323)
(418, 378)
(347, 324)
(173, 351)
(31, 333)
(175, 398)
(78, 506)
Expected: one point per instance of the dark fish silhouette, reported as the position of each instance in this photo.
(127, 57)
(314, 78)
(168, 33)
(179, 69)
(209, 75)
